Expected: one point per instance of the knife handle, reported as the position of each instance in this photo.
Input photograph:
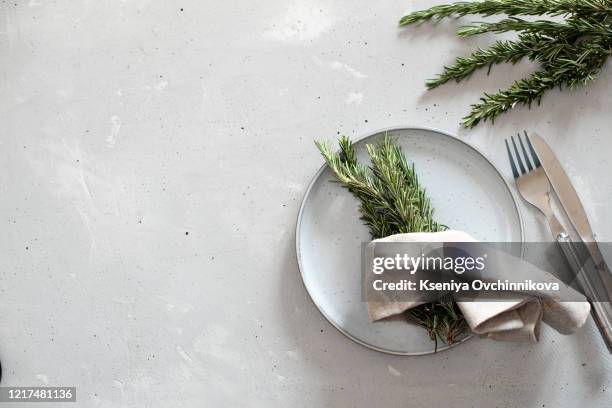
(602, 267)
(589, 278)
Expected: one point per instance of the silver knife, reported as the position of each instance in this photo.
(568, 197)
(598, 277)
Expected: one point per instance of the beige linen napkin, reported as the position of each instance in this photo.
(516, 319)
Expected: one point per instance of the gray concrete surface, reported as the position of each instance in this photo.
(154, 155)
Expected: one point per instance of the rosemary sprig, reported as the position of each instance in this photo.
(442, 320)
(391, 202)
(562, 71)
(570, 52)
(501, 51)
(575, 27)
(510, 8)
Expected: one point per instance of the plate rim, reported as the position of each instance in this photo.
(301, 213)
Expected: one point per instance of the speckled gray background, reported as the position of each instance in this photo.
(154, 154)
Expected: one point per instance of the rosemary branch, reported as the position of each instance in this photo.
(391, 202)
(575, 27)
(501, 51)
(527, 91)
(511, 8)
(570, 52)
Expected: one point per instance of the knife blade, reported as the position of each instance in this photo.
(563, 187)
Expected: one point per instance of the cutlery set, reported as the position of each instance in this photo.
(538, 173)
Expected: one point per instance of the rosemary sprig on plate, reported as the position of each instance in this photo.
(392, 202)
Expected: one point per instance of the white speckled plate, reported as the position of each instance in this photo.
(468, 193)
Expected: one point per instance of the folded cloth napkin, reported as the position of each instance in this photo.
(516, 319)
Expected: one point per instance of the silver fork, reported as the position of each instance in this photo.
(532, 181)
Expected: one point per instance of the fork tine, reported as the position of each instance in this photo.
(518, 156)
(525, 155)
(534, 154)
(514, 170)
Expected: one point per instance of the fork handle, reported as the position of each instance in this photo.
(553, 222)
(589, 278)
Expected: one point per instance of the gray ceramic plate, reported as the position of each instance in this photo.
(468, 193)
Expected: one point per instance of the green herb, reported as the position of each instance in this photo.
(570, 52)
(393, 202)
